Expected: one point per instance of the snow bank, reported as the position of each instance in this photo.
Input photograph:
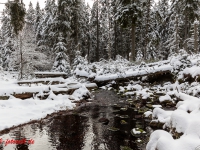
(162, 140)
(161, 115)
(16, 111)
(193, 71)
(184, 120)
(165, 98)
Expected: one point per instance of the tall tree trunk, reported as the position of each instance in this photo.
(88, 52)
(133, 53)
(97, 49)
(195, 38)
(186, 32)
(147, 29)
(121, 43)
(21, 56)
(176, 40)
(115, 46)
(109, 34)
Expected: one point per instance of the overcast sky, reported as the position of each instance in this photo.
(42, 3)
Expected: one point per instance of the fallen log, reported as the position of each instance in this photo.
(50, 75)
(45, 81)
(29, 92)
(4, 97)
(152, 77)
(23, 95)
(189, 78)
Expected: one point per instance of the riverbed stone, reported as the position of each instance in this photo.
(104, 121)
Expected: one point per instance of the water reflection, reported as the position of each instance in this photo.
(67, 132)
(81, 130)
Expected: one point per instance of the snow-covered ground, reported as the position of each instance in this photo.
(181, 125)
(16, 111)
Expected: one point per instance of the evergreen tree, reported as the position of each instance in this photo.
(189, 10)
(163, 28)
(61, 63)
(93, 29)
(127, 14)
(30, 16)
(45, 34)
(107, 28)
(79, 60)
(79, 25)
(38, 16)
(85, 30)
(6, 53)
(8, 40)
(146, 29)
(6, 28)
(103, 29)
(173, 42)
(193, 41)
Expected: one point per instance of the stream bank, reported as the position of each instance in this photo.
(104, 124)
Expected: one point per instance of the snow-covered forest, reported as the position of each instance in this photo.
(137, 30)
(144, 51)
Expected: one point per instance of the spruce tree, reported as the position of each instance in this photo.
(190, 12)
(38, 16)
(93, 32)
(30, 16)
(7, 40)
(163, 10)
(193, 41)
(61, 63)
(128, 13)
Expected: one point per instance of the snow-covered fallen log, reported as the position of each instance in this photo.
(150, 75)
(51, 74)
(24, 92)
(42, 81)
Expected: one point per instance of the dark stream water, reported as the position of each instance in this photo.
(87, 128)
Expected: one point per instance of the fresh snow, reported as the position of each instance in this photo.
(193, 71)
(183, 119)
(16, 111)
(165, 98)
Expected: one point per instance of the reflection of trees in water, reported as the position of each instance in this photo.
(19, 134)
(22, 147)
(113, 140)
(1, 146)
(68, 132)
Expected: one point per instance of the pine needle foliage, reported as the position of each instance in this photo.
(17, 14)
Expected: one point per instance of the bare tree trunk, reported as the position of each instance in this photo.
(21, 57)
(176, 40)
(77, 31)
(133, 53)
(88, 53)
(115, 46)
(186, 32)
(195, 37)
(97, 49)
(121, 42)
(146, 29)
(109, 35)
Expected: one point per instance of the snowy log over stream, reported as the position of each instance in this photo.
(50, 74)
(24, 92)
(149, 75)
